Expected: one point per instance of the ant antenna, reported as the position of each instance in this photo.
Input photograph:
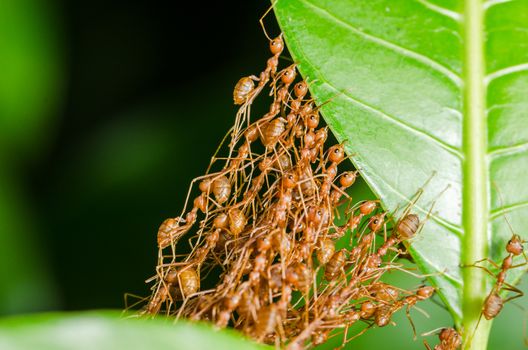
(494, 184)
(261, 20)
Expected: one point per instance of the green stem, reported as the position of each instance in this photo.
(475, 193)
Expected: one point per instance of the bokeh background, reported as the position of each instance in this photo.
(108, 109)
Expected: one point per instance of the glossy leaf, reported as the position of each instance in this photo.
(429, 89)
(108, 330)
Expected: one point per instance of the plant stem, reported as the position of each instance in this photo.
(475, 193)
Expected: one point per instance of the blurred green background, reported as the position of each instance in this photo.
(107, 111)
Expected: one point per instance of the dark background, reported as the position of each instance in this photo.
(147, 97)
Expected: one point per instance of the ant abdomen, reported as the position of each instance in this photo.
(186, 282)
(325, 252)
(242, 90)
(492, 306)
(221, 189)
(383, 315)
(406, 228)
(237, 221)
(335, 264)
(273, 131)
(166, 230)
(266, 321)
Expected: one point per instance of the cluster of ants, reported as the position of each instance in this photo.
(271, 254)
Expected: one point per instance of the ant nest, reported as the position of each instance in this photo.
(263, 231)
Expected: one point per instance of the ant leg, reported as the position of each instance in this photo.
(511, 288)
(130, 295)
(399, 268)
(475, 330)
(427, 345)
(360, 333)
(519, 265)
(408, 314)
(417, 195)
(214, 158)
(483, 267)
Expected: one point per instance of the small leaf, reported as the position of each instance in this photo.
(429, 89)
(108, 330)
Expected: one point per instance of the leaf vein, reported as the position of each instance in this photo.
(440, 10)
(508, 150)
(451, 149)
(505, 105)
(444, 271)
(505, 71)
(491, 3)
(506, 209)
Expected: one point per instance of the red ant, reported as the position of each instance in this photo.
(450, 339)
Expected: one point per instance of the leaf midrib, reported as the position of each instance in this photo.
(475, 214)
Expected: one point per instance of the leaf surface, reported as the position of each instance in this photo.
(108, 330)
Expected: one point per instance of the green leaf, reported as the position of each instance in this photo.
(429, 89)
(109, 330)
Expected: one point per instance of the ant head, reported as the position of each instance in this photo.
(289, 180)
(368, 207)
(336, 153)
(425, 292)
(348, 179)
(289, 74)
(312, 121)
(515, 245)
(300, 89)
(452, 336)
(376, 222)
(277, 45)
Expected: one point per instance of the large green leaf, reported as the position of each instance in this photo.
(429, 88)
(107, 330)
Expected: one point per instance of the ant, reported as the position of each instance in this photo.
(450, 339)
(494, 303)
